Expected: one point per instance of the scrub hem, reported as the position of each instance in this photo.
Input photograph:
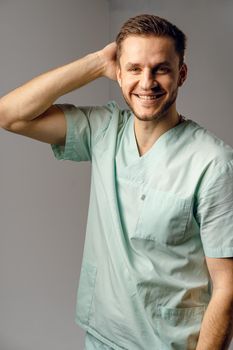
(97, 335)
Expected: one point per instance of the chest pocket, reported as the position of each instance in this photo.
(163, 218)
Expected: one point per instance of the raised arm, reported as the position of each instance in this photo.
(28, 110)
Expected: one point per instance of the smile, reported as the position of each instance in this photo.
(150, 97)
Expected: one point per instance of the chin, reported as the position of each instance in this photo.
(149, 117)
(147, 114)
(143, 115)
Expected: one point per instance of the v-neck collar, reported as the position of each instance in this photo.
(161, 139)
(131, 166)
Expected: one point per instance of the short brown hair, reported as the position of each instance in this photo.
(152, 25)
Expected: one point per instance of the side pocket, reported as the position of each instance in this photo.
(85, 292)
(179, 327)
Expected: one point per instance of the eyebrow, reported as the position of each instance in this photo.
(163, 63)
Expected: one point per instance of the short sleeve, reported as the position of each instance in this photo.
(215, 212)
(84, 126)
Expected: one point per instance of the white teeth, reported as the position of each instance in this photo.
(147, 97)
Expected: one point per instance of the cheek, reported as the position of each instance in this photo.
(170, 83)
(128, 84)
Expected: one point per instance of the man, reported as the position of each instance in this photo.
(157, 269)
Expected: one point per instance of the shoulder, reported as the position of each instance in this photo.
(207, 146)
(99, 118)
(110, 111)
(210, 155)
(109, 117)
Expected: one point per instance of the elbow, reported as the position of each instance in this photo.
(5, 122)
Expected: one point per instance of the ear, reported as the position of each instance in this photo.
(182, 74)
(118, 74)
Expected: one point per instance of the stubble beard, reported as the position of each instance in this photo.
(161, 114)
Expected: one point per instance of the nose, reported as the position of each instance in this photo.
(147, 80)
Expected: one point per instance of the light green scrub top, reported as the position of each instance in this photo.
(144, 282)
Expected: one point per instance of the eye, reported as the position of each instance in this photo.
(162, 70)
(134, 69)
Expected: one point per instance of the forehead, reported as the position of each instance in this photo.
(146, 49)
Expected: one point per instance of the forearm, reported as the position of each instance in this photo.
(217, 325)
(36, 96)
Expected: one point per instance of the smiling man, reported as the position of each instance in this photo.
(157, 270)
(145, 58)
(150, 71)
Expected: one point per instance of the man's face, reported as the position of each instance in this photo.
(149, 75)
